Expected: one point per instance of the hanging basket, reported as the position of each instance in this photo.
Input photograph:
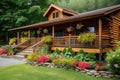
(45, 30)
(70, 29)
(79, 26)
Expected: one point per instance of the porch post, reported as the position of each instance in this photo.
(29, 34)
(100, 37)
(53, 31)
(18, 37)
(69, 40)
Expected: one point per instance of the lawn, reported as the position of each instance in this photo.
(28, 72)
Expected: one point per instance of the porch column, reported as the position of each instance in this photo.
(69, 40)
(100, 37)
(29, 34)
(53, 31)
(18, 37)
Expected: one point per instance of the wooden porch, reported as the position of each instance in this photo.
(71, 41)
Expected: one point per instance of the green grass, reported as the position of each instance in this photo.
(28, 72)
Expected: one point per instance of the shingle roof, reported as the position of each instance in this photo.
(80, 16)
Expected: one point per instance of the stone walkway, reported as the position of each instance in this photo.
(10, 61)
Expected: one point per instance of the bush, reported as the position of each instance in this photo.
(33, 57)
(67, 53)
(86, 37)
(82, 56)
(113, 58)
(43, 59)
(115, 64)
(44, 49)
(83, 65)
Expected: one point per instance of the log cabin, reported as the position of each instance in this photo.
(105, 23)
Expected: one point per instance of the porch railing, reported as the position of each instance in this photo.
(71, 41)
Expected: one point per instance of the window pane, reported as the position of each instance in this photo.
(91, 29)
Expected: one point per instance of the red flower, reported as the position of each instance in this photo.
(98, 67)
(43, 59)
(83, 65)
(2, 51)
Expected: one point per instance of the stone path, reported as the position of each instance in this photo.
(10, 61)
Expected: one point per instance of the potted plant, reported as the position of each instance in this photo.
(70, 29)
(12, 41)
(10, 50)
(45, 31)
(79, 26)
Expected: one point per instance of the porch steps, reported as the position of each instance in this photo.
(25, 51)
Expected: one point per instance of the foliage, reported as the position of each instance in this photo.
(43, 59)
(115, 64)
(86, 37)
(2, 51)
(111, 54)
(46, 39)
(44, 49)
(24, 39)
(55, 54)
(67, 53)
(32, 56)
(10, 50)
(84, 65)
(113, 58)
(12, 41)
(82, 56)
(87, 5)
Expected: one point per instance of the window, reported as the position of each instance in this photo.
(55, 15)
(91, 29)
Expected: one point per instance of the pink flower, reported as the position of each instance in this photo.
(2, 51)
(83, 65)
(116, 65)
(43, 59)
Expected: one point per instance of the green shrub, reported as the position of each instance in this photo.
(113, 58)
(68, 53)
(86, 37)
(44, 49)
(82, 56)
(115, 64)
(47, 39)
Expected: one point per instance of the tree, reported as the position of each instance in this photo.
(87, 5)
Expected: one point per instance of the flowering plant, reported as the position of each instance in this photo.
(43, 59)
(2, 51)
(98, 67)
(84, 65)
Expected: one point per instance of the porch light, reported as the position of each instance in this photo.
(39, 31)
(79, 26)
(70, 29)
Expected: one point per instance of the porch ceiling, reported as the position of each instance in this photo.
(79, 17)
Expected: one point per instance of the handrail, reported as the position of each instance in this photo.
(36, 45)
(22, 43)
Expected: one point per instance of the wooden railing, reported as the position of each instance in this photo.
(26, 44)
(71, 41)
(37, 46)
